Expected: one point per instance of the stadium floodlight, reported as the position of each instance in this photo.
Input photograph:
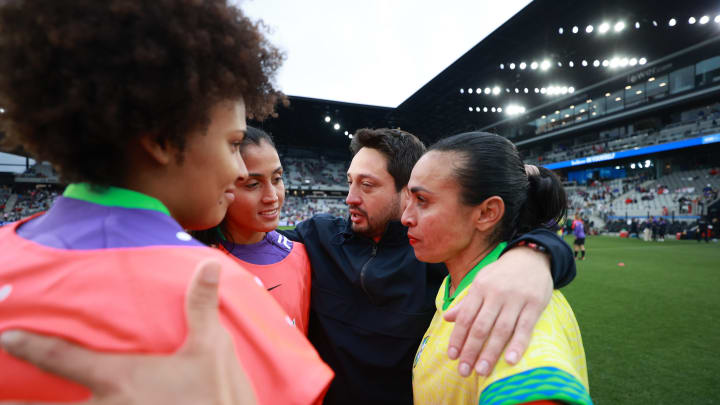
(564, 90)
(526, 90)
(543, 90)
(523, 65)
(507, 90)
(488, 90)
(327, 118)
(336, 126)
(484, 109)
(619, 26)
(502, 66)
(652, 79)
(603, 28)
(589, 29)
(534, 65)
(477, 109)
(347, 133)
(350, 136)
(638, 92)
(663, 84)
(704, 20)
(517, 91)
(614, 62)
(559, 64)
(717, 19)
(462, 91)
(561, 30)
(618, 98)
(551, 90)
(691, 20)
(647, 163)
(575, 29)
(605, 63)
(624, 62)
(584, 62)
(478, 90)
(672, 22)
(637, 25)
(496, 90)
(655, 24)
(470, 109)
(512, 66)
(571, 89)
(545, 65)
(596, 63)
(633, 61)
(543, 117)
(607, 94)
(537, 90)
(628, 87)
(470, 91)
(493, 109)
(617, 167)
(571, 64)
(632, 165)
(499, 109)
(642, 61)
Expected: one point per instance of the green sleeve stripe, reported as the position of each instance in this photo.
(544, 383)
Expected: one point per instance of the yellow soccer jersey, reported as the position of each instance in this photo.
(553, 367)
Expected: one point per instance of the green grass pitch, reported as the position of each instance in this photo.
(651, 328)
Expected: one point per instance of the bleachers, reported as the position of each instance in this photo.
(696, 123)
(318, 174)
(298, 209)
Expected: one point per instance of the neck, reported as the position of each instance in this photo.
(460, 265)
(239, 235)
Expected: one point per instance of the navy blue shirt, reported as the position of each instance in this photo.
(372, 302)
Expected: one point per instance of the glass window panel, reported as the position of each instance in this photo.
(615, 101)
(707, 71)
(682, 79)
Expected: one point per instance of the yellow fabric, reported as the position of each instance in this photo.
(555, 342)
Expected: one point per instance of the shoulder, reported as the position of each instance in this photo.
(322, 223)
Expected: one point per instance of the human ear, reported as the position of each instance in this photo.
(157, 149)
(489, 213)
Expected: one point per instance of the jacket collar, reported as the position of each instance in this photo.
(395, 233)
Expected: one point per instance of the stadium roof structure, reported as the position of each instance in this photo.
(559, 47)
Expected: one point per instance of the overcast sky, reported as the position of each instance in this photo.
(376, 52)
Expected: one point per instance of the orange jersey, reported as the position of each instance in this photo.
(288, 281)
(131, 300)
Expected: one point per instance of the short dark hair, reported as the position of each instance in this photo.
(490, 165)
(402, 150)
(80, 78)
(253, 136)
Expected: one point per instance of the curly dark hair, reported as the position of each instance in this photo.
(80, 78)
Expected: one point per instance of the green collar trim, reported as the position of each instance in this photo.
(468, 279)
(114, 197)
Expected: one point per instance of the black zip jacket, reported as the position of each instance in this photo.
(372, 302)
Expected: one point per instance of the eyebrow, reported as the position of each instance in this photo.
(364, 175)
(418, 189)
(279, 169)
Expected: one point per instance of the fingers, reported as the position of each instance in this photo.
(477, 335)
(59, 357)
(499, 336)
(201, 302)
(523, 332)
(463, 314)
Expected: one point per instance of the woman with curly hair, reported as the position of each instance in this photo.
(141, 106)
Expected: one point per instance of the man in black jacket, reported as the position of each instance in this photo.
(372, 300)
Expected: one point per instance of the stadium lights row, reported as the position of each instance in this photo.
(619, 26)
(603, 28)
(612, 63)
(495, 91)
(486, 109)
(692, 20)
(336, 126)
